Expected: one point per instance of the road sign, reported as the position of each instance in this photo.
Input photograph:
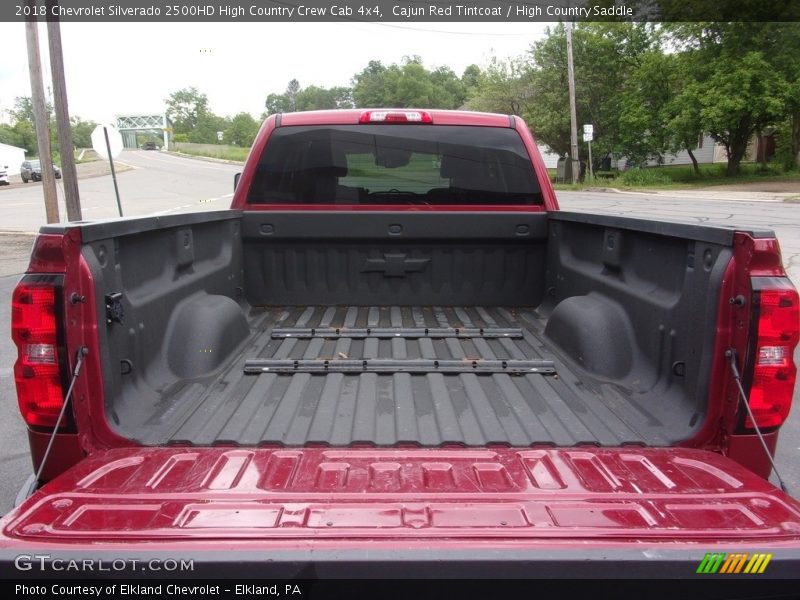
(587, 137)
(588, 129)
(99, 141)
(220, 135)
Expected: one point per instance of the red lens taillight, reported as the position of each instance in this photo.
(37, 370)
(774, 371)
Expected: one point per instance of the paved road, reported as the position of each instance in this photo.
(157, 183)
(163, 184)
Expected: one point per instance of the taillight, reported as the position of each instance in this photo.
(773, 368)
(395, 116)
(34, 329)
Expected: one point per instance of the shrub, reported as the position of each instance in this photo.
(644, 178)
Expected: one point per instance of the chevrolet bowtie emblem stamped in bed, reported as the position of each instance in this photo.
(395, 265)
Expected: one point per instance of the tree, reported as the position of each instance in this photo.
(82, 132)
(658, 112)
(242, 130)
(599, 69)
(784, 50)
(22, 131)
(368, 85)
(191, 117)
(448, 90)
(23, 110)
(471, 78)
(277, 103)
(409, 84)
(208, 124)
(318, 98)
(504, 87)
(185, 108)
(734, 81)
(291, 93)
(297, 98)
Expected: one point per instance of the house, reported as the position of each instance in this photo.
(549, 157)
(709, 151)
(705, 153)
(11, 157)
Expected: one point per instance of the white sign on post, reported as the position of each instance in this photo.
(99, 141)
(588, 133)
(587, 137)
(220, 135)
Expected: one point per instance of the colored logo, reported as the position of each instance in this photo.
(740, 562)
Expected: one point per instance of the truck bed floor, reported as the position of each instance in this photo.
(427, 409)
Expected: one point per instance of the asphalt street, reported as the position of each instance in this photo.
(159, 183)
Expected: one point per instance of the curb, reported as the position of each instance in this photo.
(205, 158)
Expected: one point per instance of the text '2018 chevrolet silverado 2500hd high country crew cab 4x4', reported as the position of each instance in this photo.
(394, 355)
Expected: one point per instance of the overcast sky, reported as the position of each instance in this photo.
(130, 68)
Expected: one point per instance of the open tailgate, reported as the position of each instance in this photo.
(459, 508)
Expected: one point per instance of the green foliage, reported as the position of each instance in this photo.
(504, 87)
(644, 178)
(604, 55)
(221, 151)
(652, 90)
(408, 85)
(191, 117)
(649, 90)
(23, 109)
(311, 98)
(786, 156)
(741, 77)
(82, 132)
(186, 108)
(368, 85)
(242, 130)
(21, 134)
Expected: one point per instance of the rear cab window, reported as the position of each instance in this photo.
(395, 165)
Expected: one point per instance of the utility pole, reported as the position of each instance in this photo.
(573, 134)
(41, 120)
(69, 173)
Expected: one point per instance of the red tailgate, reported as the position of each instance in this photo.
(225, 493)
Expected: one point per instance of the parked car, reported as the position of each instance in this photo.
(4, 175)
(31, 170)
(397, 355)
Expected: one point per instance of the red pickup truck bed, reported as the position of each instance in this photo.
(346, 376)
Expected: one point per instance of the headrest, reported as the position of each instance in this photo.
(324, 156)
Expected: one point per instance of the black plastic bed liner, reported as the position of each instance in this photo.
(428, 405)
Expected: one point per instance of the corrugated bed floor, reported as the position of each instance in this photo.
(428, 409)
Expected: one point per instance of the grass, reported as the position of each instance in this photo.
(683, 176)
(224, 152)
(57, 157)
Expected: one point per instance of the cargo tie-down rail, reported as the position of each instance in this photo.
(398, 365)
(256, 366)
(397, 332)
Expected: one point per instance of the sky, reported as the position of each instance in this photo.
(124, 68)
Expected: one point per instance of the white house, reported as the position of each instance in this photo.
(704, 153)
(11, 157)
(549, 157)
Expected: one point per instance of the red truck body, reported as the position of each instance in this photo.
(349, 508)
